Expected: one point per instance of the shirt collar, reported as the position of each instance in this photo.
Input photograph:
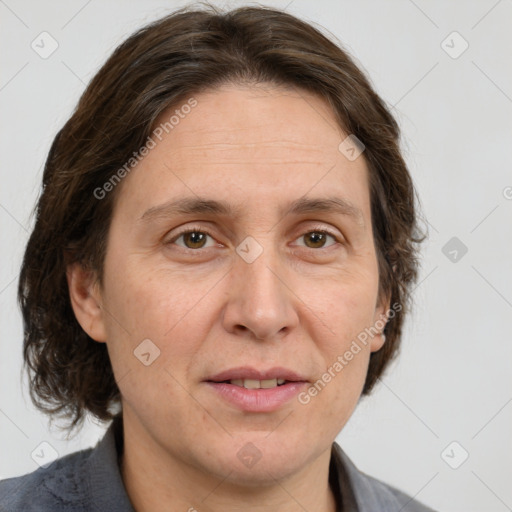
(104, 481)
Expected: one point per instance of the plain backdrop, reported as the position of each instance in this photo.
(445, 70)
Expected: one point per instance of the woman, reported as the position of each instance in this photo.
(221, 264)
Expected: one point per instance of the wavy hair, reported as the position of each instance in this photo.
(189, 51)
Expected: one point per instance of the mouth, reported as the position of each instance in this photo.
(254, 383)
(256, 391)
(253, 378)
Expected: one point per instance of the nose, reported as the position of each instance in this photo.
(260, 300)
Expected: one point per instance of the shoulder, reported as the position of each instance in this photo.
(394, 496)
(371, 494)
(84, 481)
(54, 488)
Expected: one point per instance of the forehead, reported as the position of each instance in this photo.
(263, 144)
(282, 121)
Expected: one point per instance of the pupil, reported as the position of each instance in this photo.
(196, 238)
(317, 238)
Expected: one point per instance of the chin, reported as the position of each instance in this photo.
(256, 460)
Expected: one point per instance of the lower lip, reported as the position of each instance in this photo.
(257, 400)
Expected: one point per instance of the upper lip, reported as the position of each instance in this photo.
(247, 372)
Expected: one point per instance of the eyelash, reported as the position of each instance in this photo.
(197, 229)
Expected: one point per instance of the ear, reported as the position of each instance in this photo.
(380, 320)
(86, 300)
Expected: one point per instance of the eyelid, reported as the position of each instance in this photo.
(202, 229)
(337, 240)
(189, 229)
(323, 229)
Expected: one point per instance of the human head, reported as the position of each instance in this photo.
(159, 68)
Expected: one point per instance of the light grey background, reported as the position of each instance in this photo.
(452, 381)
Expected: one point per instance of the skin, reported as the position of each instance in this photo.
(300, 304)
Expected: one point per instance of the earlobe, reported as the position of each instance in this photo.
(379, 322)
(377, 342)
(86, 300)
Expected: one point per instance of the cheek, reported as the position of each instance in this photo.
(166, 308)
(151, 301)
(345, 359)
(346, 307)
(153, 333)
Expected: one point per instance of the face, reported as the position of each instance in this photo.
(264, 273)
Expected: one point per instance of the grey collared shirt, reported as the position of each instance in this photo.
(90, 480)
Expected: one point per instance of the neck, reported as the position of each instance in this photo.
(156, 481)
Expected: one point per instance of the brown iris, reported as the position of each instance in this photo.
(196, 239)
(317, 238)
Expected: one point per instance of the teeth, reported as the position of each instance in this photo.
(270, 383)
(257, 384)
(253, 384)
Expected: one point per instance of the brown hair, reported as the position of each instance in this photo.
(189, 51)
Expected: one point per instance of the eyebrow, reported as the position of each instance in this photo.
(204, 206)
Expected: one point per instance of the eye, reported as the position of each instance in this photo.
(192, 239)
(197, 238)
(317, 239)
